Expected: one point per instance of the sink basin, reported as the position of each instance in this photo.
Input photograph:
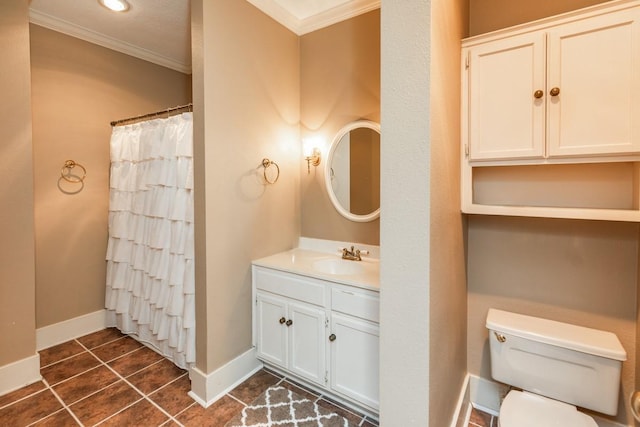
(337, 266)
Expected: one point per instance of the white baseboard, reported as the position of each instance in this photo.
(51, 335)
(463, 406)
(207, 388)
(19, 374)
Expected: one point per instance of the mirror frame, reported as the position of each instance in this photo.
(327, 171)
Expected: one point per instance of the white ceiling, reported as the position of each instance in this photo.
(159, 31)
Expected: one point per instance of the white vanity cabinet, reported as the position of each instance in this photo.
(290, 330)
(354, 345)
(564, 90)
(321, 332)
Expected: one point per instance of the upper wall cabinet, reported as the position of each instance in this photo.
(539, 99)
(566, 90)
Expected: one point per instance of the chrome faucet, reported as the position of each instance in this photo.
(353, 254)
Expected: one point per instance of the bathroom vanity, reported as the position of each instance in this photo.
(316, 320)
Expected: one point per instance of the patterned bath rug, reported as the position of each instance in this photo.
(279, 406)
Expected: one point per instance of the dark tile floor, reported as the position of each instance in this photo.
(479, 418)
(110, 379)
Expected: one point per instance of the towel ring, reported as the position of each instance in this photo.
(266, 163)
(68, 166)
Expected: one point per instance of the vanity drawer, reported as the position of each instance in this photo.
(280, 283)
(354, 303)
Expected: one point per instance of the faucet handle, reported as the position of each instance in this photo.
(363, 252)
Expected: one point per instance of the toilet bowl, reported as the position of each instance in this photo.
(524, 409)
(559, 367)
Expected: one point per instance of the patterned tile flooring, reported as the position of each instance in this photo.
(479, 418)
(110, 379)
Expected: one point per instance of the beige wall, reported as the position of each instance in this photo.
(17, 265)
(637, 337)
(340, 83)
(78, 88)
(581, 272)
(247, 86)
(490, 15)
(448, 285)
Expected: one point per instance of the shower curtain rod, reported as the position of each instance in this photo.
(188, 106)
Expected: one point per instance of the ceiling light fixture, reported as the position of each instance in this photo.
(115, 5)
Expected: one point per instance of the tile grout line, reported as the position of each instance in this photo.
(237, 400)
(62, 402)
(85, 349)
(175, 418)
(66, 407)
(144, 395)
(24, 397)
(102, 363)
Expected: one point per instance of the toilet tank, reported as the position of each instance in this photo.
(573, 364)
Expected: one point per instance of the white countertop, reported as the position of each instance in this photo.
(306, 262)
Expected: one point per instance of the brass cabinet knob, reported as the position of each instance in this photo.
(289, 322)
(554, 91)
(282, 320)
(538, 94)
(332, 337)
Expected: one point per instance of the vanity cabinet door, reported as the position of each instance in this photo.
(354, 349)
(291, 335)
(271, 329)
(307, 342)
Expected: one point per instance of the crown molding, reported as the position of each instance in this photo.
(316, 22)
(70, 29)
(278, 13)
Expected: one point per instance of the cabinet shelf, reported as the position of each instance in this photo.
(550, 212)
(592, 191)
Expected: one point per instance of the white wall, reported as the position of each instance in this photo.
(405, 213)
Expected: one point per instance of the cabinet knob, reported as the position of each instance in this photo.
(289, 322)
(554, 91)
(538, 94)
(332, 337)
(282, 320)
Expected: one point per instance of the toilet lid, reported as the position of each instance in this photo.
(522, 409)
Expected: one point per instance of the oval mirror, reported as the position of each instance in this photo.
(352, 171)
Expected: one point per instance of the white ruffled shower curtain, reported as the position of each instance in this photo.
(150, 290)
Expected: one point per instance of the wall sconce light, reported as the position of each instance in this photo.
(313, 159)
(311, 153)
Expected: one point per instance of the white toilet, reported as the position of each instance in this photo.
(558, 366)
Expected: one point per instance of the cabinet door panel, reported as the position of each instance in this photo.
(271, 336)
(506, 120)
(307, 345)
(595, 64)
(355, 359)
